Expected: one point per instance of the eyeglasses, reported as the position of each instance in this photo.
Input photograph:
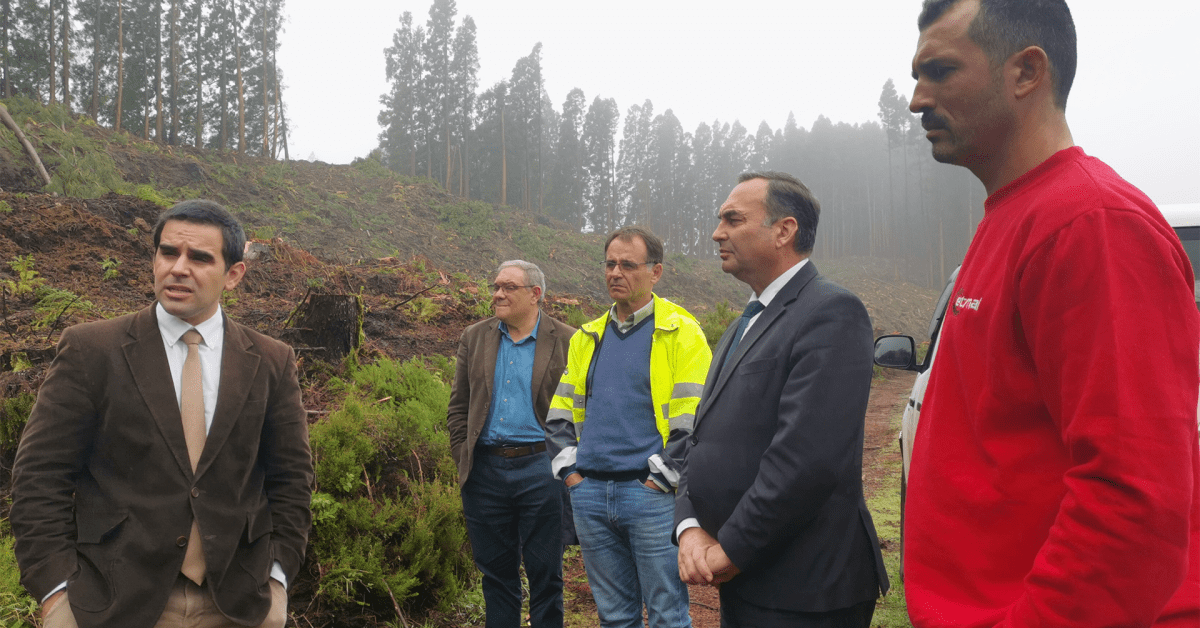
(626, 265)
(508, 288)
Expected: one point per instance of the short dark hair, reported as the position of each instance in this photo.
(204, 212)
(1004, 27)
(787, 196)
(654, 246)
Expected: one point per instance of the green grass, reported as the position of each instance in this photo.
(884, 504)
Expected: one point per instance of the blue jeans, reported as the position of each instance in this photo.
(513, 508)
(625, 534)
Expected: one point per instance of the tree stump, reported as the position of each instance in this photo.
(327, 326)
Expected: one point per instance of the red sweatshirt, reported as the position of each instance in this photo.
(1055, 478)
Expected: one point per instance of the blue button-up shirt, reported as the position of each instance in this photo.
(511, 418)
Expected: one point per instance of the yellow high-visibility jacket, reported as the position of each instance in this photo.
(679, 359)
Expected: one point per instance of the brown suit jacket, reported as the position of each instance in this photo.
(103, 490)
(476, 368)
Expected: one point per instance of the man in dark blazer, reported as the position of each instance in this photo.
(508, 368)
(110, 488)
(770, 505)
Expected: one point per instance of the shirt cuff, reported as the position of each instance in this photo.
(55, 590)
(690, 522)
(277, 573)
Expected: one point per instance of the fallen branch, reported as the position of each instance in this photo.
(54, 325)
(33, 156)
(431, 287)
(396, 605)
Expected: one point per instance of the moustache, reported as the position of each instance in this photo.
(931, 121)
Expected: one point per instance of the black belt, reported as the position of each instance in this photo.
(615, 476)
(514, 451)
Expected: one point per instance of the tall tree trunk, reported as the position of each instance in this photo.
(6, 15)
(158, 82)
(200, 41)
(173, 138)
(241, 89)
(503, 162)
(223, 129)
(465, 166)
(94, 105)
(446, 130)
(266, 146)
(120, 61)
(66, 54)
(51, 36)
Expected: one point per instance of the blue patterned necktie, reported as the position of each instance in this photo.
(752, 310)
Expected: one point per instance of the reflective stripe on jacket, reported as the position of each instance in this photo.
(679, 359)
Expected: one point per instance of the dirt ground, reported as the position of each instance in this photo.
(888, 395)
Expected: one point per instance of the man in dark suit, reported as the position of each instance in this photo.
(770, 504)
(508, 367)
(164, 476)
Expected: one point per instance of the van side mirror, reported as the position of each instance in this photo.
(896, 352)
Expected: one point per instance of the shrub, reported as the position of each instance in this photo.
(148, 193)
(470, 219)
(14, 412)
(424, 309)
(717, 321)
(16, 607)
(387, 515)
(27, 278)
(111, 267)
(54, 304)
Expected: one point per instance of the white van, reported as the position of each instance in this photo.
(1185, 219)
(895, 351)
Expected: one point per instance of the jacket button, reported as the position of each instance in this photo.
(195, 492)
(181, 541)
(695, 440)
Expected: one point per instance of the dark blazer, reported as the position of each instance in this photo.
(103, 490)
(774, 466)
(476, 368)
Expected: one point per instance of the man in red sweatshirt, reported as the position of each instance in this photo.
(1055, 478)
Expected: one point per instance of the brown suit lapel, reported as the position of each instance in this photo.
(491, 348)
(152, 376)
(238, 366)
(543, 351)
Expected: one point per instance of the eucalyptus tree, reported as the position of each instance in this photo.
(403, 67)
(525, 130)
(599, 145)
(464, 80)
(566, 195)
(633, 184)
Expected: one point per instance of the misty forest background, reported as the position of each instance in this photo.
(203, 73)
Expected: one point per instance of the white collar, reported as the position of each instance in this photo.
(773, 288)
(173, 328)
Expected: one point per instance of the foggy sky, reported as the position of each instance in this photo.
(1135, 104)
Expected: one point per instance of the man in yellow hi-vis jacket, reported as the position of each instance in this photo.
(633, 378)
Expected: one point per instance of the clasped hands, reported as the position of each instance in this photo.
(702, 560)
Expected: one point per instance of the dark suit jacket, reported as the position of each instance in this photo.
(476, 368)
(103, 490)
(774, 466)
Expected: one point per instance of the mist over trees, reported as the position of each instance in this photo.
(180, 72)
(203, 73)
(881, 193)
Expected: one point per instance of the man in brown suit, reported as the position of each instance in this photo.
(152, 453)
(508, 368)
